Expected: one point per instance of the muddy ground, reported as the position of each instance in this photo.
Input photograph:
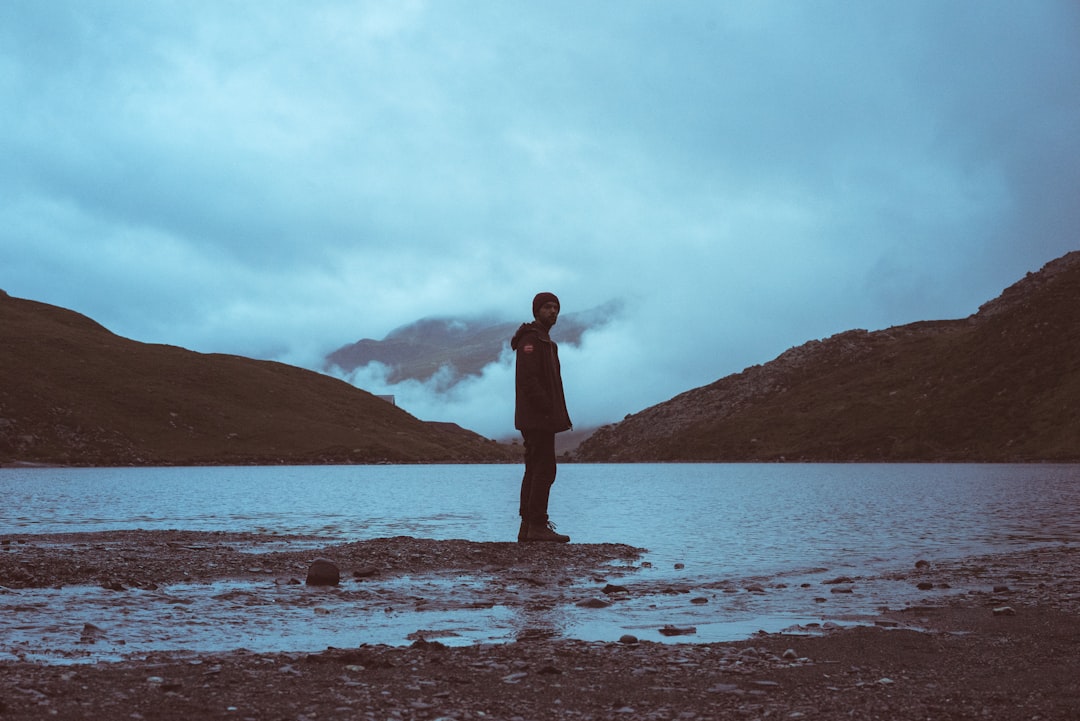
(1006, 647)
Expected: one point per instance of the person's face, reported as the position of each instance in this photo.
(548, 314)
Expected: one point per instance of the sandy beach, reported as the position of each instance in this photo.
(1003, 644)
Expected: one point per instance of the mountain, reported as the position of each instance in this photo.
(418, 350)
(1000, 385)
(71, 392)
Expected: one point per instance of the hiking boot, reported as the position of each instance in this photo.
(545, 532)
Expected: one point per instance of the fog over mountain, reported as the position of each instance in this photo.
(462, 368)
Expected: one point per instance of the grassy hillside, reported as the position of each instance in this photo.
(71, 392)
(1002, 385)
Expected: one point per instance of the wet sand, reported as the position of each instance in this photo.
(1000, 640)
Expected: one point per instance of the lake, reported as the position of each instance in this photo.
(699, 522)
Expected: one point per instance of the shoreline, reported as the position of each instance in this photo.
(1003, 644)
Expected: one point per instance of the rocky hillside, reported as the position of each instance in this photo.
(1000, 385)
(73, 393)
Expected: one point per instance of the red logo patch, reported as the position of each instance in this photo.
(527, 348)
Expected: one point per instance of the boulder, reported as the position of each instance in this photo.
(323, 572)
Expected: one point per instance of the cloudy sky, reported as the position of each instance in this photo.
(278, 179)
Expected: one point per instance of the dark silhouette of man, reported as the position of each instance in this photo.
(539, 413)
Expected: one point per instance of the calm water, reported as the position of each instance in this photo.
(738, 519)
(719, 521)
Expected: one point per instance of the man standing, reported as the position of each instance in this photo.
(540, 413)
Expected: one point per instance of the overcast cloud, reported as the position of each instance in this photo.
(278, 179)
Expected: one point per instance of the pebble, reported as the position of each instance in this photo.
(594, 603)
(91, 634)
(1004, 611)
(670, 630)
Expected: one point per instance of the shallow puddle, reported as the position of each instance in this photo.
(89, 624)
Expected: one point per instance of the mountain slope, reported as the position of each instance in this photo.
(1001, 385)
(72, 392)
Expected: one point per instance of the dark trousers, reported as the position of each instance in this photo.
(539, 475)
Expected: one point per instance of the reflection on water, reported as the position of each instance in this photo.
(715, 529)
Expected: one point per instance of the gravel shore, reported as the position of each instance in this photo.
(1008, 647)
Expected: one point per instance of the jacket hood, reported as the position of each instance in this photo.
(531, 328)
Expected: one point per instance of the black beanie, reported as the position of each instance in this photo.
(541, 298)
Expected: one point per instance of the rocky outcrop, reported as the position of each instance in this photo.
(1000, 385)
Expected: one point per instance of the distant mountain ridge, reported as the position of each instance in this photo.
(417, 351)
(1000, 385)
(73, 393)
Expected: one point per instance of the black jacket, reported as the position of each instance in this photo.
(540, 403)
